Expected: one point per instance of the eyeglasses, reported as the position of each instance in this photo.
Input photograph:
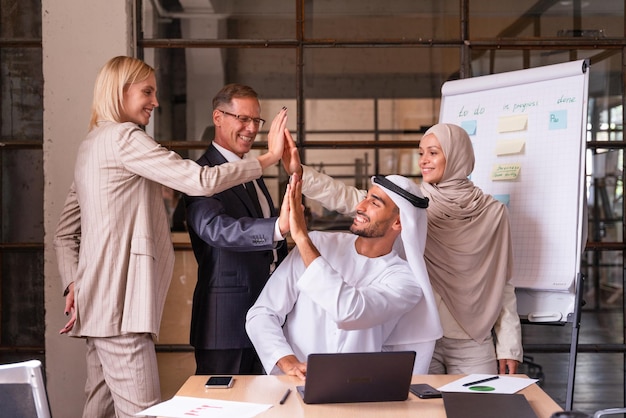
(245, 119)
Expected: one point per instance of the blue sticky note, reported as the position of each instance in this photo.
(469, 126)
(503, 198)
(558, 119)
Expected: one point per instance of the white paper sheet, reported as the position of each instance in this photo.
(503, 384)
(186, 407)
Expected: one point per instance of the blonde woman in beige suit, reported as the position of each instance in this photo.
(113, 242)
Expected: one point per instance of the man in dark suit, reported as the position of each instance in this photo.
(237, 240)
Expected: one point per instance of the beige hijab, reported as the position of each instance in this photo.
(468, 248)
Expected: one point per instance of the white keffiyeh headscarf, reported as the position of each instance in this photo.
(422, 323)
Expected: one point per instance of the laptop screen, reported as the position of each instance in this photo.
(487, 405)
(358, 377)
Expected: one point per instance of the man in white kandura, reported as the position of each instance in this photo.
(342, 292)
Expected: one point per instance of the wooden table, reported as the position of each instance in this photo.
(270, 389)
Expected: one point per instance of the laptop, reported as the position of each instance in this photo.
(487, 405)
(357, 377)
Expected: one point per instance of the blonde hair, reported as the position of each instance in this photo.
(108, 93)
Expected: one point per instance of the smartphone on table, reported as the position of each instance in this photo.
(222, 382)
(424, 391)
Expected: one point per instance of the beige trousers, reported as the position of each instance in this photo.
(122, 376)
(454, 356)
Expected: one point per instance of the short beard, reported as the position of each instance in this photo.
(375, 230)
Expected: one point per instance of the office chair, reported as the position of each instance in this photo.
(22, 390)
(609, 411)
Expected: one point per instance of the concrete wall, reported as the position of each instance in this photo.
(78, 38)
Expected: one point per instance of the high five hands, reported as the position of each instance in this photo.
(275, 140)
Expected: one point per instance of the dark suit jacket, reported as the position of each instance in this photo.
(233, 248)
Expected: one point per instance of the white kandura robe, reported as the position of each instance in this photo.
(343, 302)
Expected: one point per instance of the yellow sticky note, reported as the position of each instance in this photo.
(512, 123)
(507, 147)
(502, 172)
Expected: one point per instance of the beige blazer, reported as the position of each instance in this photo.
(113, 238)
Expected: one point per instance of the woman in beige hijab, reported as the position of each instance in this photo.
(468, 253)
(469, 260)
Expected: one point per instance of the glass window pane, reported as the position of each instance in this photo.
(21, 19)
(604, 120)
(408, 115)
(271, 72)
(604, 279)
(355, 164)
(404, 161)
(344, 114)
(378, 72)
(529, 18)
(22, 323)
(22, 196)
(604, 74)
(369, 19)
(605, 194)
(21, 94)
(232, 19)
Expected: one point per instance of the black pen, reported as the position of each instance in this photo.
(284, 398)
(489, 379)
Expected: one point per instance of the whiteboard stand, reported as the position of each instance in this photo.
(573, 353)
(517, 122)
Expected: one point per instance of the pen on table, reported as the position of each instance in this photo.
(284, 398)
(489, 379)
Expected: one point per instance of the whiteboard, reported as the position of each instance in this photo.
(528, 132)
